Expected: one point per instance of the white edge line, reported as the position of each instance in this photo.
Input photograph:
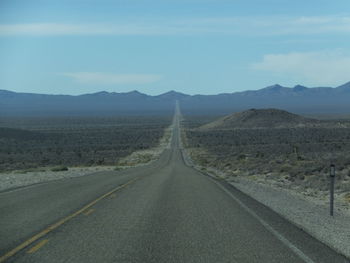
(285, 241)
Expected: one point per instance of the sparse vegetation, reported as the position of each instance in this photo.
(297, 156)
(32, 143)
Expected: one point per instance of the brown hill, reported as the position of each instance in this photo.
(262, 118)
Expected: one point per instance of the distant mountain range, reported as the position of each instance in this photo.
(300, 99)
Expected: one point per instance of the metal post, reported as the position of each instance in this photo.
(332, 177)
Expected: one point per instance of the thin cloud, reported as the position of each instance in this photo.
(51, 29)
(272, 25)
(55, 29)
(314, 68)
(100, 78)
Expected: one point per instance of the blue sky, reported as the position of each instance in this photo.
(192, 46)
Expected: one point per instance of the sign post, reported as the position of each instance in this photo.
(332, 177)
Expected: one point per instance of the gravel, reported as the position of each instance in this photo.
(306, 212)
(17, 179)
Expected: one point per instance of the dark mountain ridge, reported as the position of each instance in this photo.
(299, 99)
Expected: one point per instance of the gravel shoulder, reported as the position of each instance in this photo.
(15, 179)
(309, 212)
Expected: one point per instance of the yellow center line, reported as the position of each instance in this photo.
(59, 223)
(37, 246)
(88, 212)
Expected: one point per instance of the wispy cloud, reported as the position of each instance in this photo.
(43, 29)
(314, 68)
(272, 25)
(100, 78)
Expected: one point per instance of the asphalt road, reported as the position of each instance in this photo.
(162, 212)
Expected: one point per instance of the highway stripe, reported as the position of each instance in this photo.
(60, 222)
(88, 212)
(37, 246)
(285, 241)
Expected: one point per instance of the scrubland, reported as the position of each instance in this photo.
(291, 158)
(34, 144)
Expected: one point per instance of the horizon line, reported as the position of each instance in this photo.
(179, 92)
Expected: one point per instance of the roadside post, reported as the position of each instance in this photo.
(332, 177)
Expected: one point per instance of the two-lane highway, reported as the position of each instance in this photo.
(162, 212)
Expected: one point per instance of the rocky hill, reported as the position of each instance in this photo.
(262, 118)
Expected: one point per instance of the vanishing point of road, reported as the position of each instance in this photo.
(162, 212)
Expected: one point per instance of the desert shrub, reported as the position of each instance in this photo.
(59, 168)
(347, 197)
(285, 168)
(241, 157)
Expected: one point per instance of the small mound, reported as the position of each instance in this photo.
(261, 118)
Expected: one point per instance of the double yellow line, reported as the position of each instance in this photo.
(60, 222)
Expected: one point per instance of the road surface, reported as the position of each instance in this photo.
(162, 212)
